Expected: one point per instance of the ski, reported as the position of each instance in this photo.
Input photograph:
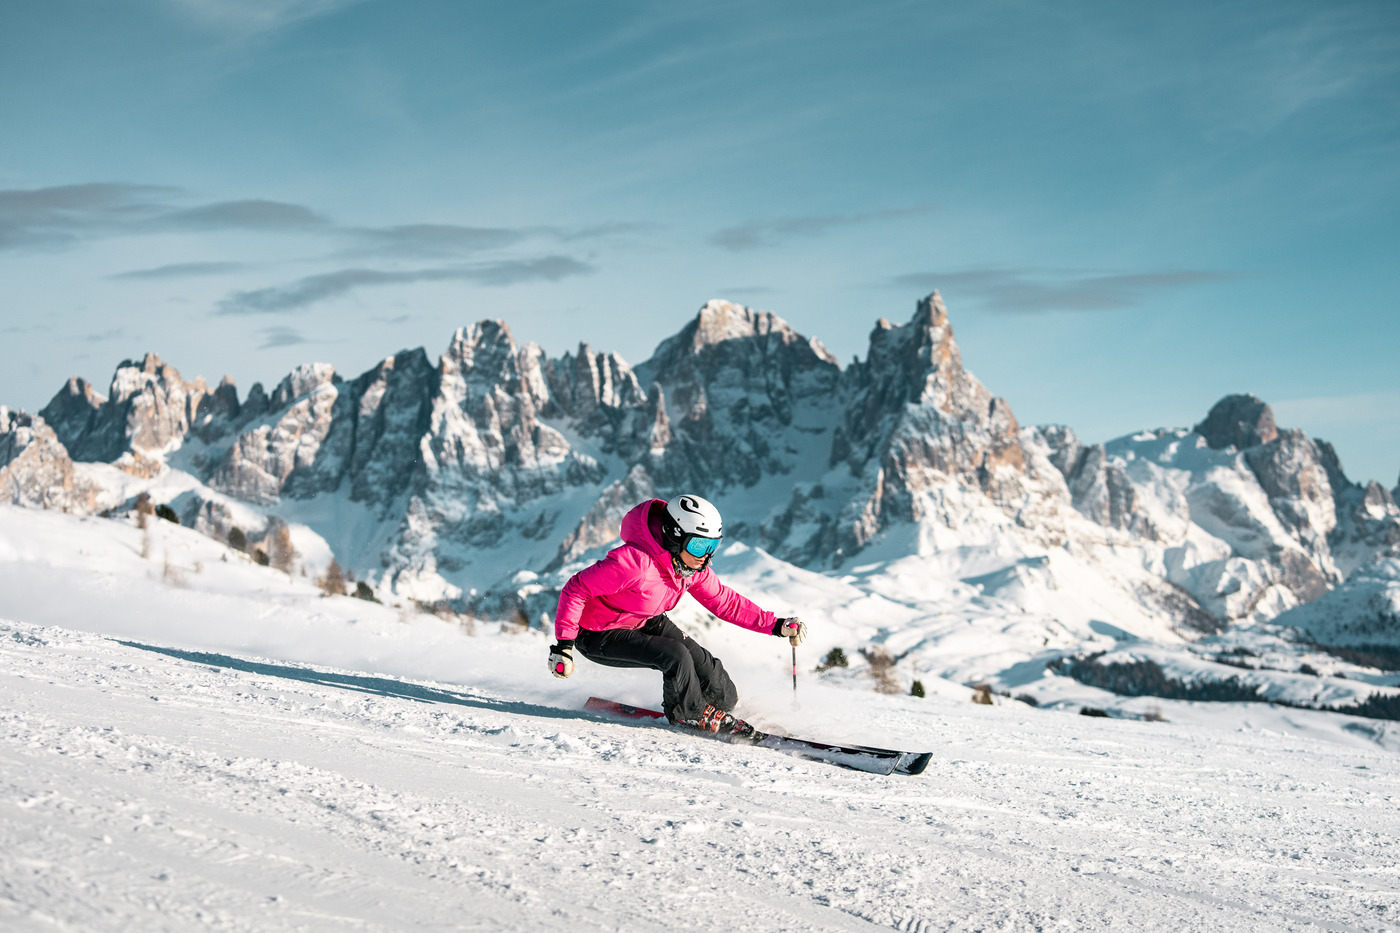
(855, 757)
(614, 708)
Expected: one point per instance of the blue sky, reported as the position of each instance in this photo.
(1131, 210)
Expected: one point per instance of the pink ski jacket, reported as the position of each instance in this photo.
(637, 581)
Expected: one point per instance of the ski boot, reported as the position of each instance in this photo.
(722, 725)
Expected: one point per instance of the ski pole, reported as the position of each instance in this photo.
(794, 671)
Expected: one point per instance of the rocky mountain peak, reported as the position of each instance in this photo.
(149, 407)
(282, 454)
(733, 380)
(35, 469)
(17, 431)
(222, 403)
(919, 362)
(724, 327)
(71, 411)
(484, 359)
(582, 384)
(1367, 517)
(1241, 421)
(151, 364)
(916, 363)
(486, 347)
(300, 382)
(721, 320)
(916, 431)
(1099, 487)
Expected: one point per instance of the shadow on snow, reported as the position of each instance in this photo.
(362, 683)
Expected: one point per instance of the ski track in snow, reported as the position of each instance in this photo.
(153, 789)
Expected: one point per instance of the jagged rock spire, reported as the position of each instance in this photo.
(35, 469)
(732, 381)
(918, 420)
(149, 408)
(1240, 420)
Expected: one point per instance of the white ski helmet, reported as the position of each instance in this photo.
(696, 516)
(689, 518)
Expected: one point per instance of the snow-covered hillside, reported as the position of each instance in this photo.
(190, 740)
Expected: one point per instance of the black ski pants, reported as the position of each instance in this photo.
(691, 677)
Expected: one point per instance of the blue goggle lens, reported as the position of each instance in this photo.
(701, 547)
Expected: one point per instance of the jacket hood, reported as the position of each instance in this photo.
(638, 530)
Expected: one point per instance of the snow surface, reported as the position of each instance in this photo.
(188, 740)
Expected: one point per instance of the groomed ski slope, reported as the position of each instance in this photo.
(237, 753)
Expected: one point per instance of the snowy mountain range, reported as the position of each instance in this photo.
(895, 502)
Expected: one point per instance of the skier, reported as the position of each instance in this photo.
(615, 612)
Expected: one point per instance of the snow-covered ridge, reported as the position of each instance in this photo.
(488, 476)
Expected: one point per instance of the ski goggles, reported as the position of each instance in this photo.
(697, 546)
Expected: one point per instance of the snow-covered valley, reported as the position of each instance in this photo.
(193, 741)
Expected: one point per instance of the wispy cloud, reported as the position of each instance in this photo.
(281, 337)
(437, 240)
(243, 215)
(760, 233)
(433, 240)
(1308, 61)
(181, 270)
(317, 288)
(609, 228)
(1029, 292)
(105, 336)
(517, 271)
(63, 214)
(252, 17)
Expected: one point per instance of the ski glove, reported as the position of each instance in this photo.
(561, 659)
(793, 629)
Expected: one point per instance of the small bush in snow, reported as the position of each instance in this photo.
(165, 512)
(882, 669)
(282, 554)
(144, 510)
(1027, 699)
(982, 694)
(363, 591)
(1092, 711)
(917, 690)
(237, 539)
(171, 574)
(834, 658)
(332, 582)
